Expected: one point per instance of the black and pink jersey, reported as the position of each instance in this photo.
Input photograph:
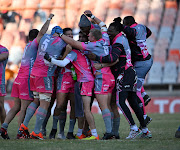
(137, 35)
(119, 50)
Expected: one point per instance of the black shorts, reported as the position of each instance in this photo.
(127, 80)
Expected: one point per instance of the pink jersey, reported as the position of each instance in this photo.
(82, 66)
(3, 65)
(100, 48)
(28, 58)
(53, 45)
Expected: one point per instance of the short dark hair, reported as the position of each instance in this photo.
(129, 20)
(96, 33)
(33, 34)
(66, 29)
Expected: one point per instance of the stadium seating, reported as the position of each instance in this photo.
(170, 72)
(155, 74)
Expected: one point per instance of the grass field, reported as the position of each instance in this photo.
(163, 128)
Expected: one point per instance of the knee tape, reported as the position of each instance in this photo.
(35, 94)
(45, 97)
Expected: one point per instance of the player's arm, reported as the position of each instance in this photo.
(97, 20)
(3, 56)
(102, 65)
(44, 28)
(71, 41)
(60, 63)
(111, 58)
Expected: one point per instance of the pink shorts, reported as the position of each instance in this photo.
(21, 89)
(42, 84)
(65, 83)
(104, 84)
(2, 90)
(86, 88)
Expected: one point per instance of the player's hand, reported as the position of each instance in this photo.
(91, 56)
(88, 13)
(68, 48)
(97, 66)
(47, 57)
(51, 16)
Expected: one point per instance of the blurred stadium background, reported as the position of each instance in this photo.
(161, 16)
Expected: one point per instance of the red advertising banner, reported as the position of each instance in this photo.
(157, 105)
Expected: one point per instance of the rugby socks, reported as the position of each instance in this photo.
(107, 120)
(115, 128)
(46, 120)
(62, 122)
(79, 132)
(29, 113)
(94, 132)
(5, 125)
(134, 127)
(72, 123)
(55, 121)
(40, 116)
(112, 117)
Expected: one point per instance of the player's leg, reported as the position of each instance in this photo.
(89, 116)
(116, 118)
(11, 114)
(134, 131)
(132, 99)
(2, 110)
(44, 99)
(102, 99)
(72, 120)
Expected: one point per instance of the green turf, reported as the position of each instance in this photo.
(163, 128)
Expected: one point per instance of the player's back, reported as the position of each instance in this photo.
(28, 59)
(53, 45)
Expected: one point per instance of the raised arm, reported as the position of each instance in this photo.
(44, 28)
(71, 41)
(97, 20)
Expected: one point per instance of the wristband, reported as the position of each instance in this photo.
(49, 19)
(92, 17)
(102, 24)
(60, 34)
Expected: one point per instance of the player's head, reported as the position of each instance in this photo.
(114, 28)
(33, 34)
(94, 35)
(68, 32)
(83, 37)
(84, 24)
(128, 20)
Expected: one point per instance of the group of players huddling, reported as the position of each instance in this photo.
(107, 64)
